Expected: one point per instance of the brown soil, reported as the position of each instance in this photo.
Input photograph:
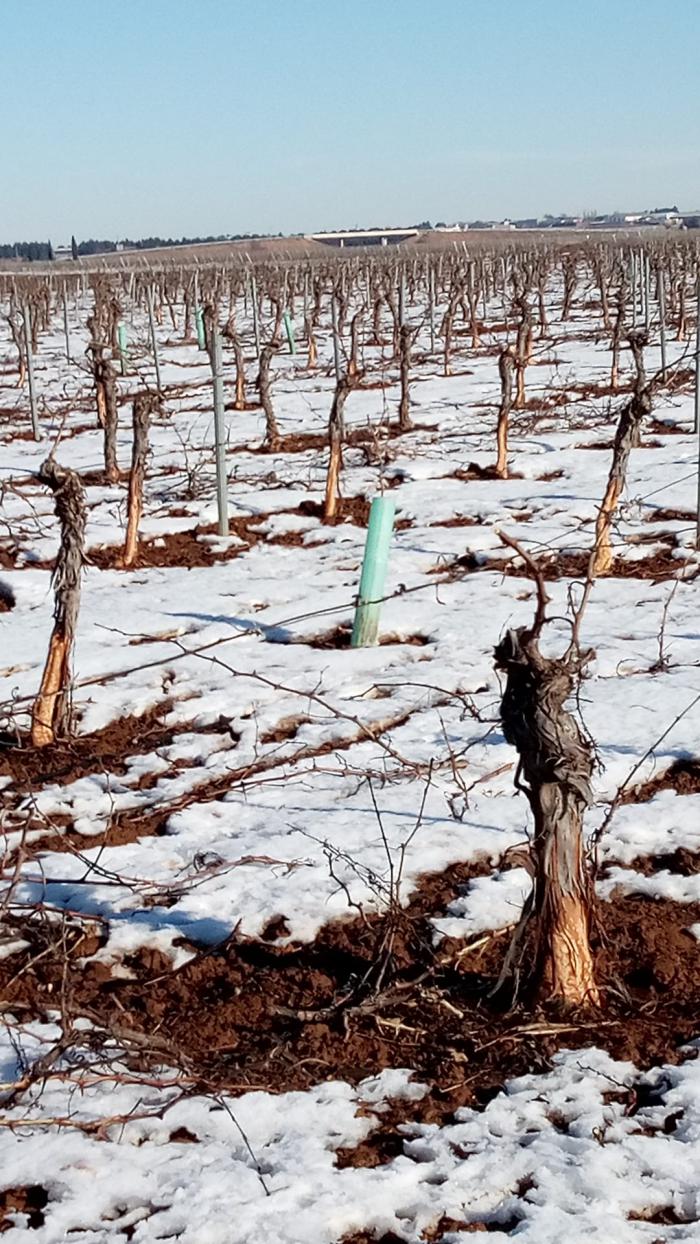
(30, 1201)
(680, 379)
(7, 596)
(665, 429)
(104, 751)
(610, 444)
(467, 563)
(458, 520)
(285, 729)
(681, 861)
(474, 471)
(97, 478)
(287, 1017)
(656, 567)
(434, 1234)
(670, 516)
(349, 509)
(340, 636)
(600, 389)
(683, 776)
(298, 443)
(130, 826)
(302, 442)
(188, 549)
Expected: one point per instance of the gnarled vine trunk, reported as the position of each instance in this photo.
(51, 714)
(626, 439)
(554, 771)
(405, 343)
(144, 405)
(272, 432)
(506, 361)
(336, 433)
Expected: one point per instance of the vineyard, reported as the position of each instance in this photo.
(350, 764)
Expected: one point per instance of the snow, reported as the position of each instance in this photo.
(265, 797)
(560, 1154)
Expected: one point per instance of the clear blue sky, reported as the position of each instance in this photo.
(132, 117)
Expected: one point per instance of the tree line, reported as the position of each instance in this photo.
(44, 251)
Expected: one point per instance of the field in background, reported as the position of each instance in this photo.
(254, 910)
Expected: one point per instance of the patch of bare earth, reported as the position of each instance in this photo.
(372, 992)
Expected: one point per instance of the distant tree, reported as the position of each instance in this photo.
(74, 247)
(50, 255)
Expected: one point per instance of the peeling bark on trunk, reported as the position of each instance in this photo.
(105, 381)
(617, 337)
(446, 331)
(312, 358)
(354, 342)
(682, 329)
(405, 343)
(637, 343)
(144, 405)
(542, 306)
(376, 339)
(523, 350)
(106, 388)
(396, 327)
(336, 434)
(556, 763)
(569, 273)
(272, 432)
(277, 327)
(602, 276)
(473, 297)
(231, 335)
(506, 363)
(17, 337)
(626, 439)
(187, 326)
(51, 714)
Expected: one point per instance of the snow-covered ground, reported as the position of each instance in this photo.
(295, 775)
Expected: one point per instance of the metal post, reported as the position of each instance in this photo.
(374, 566)
(647, 293)
(336, 338)
(121, 340)
(66, 330)
(633, 287)
(431, 308)
(195, 295)
(154, 343)
(696, 418)
(289, 330)
(219, 429)
(661, 297)
(26, 316)
(256, 324)
(402, 298)
(199, 327)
